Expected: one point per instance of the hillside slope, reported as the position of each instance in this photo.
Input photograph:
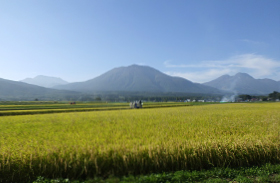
(138, 78)
(15, 90)
(45, 81)
(244, 84)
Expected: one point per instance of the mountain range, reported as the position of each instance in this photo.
(15, 90)
(137, 78)
(45, 81)
(132, 79)
(243, 83)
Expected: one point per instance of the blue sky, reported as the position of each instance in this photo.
(199, 40)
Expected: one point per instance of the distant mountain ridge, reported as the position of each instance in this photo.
(138, 78)
(15, 90)
(243, 83)
(45, 81)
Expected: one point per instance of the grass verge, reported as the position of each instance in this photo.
(265, 173)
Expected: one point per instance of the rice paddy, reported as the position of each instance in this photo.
(24, 108)
(121, 142)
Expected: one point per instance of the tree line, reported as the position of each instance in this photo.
(270, 97)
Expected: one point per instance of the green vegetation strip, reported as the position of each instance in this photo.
(265, 173)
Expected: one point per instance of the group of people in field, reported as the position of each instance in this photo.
(136, 104)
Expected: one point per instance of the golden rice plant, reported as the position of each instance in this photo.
(88, 144)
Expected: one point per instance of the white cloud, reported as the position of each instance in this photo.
(256, 65)
(202, 76)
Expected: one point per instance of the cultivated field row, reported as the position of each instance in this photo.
(37, 108)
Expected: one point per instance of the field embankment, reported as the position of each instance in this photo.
(121, 142)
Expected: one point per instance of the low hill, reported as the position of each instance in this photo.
(45, 81)
(15, 90)
(243, 83)
(137, 78)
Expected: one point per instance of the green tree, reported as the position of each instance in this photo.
(275, 95)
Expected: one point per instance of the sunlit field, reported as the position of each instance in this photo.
(138, 141)
(23, 108)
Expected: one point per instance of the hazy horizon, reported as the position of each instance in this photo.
(197, 40)
(124, 66)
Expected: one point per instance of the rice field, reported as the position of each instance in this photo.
(44, 107)
(121, 142)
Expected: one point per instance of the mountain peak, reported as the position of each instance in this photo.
(47, 77)
(138, 78)
(243, 75)
(138, 66)
(243, 83)
(134, 65)
(45, 81)
(225, 76)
